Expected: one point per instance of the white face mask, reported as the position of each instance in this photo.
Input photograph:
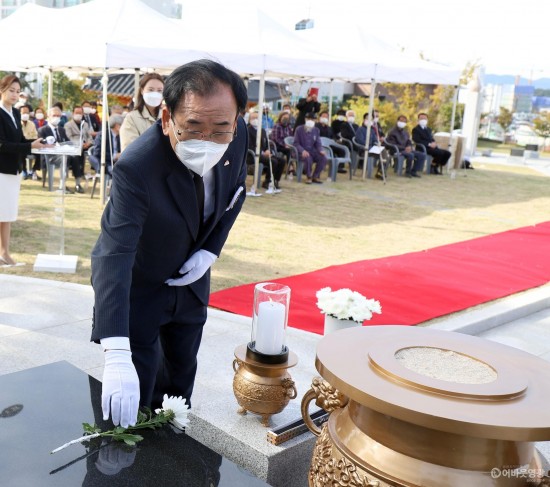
(310, 123)
(351, 119)
(77, 118)
(153, 98)
(199, 156)
(341, 118)
(25, 117)
(376, 119)
(54, 121)
(423, 123)
(286, 110)
(366, 123)
(324, 120)
(39, 116)
(94, 110)
(401, 125)
(254, 123)
(87, 110)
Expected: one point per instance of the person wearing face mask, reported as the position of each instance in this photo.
(112, 148)
(422, 134)
(30, 133)
(349, 127)
(90, 119)
(39, 118)
(336, 124)
(310, 149)
(399, 137)
(176, 192)
(79, 134)
(56, 133)
(287, 108)
(282, 129)
(325, 130)
(146, 111)
(277, 164)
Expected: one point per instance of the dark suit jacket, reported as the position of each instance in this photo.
(13, 145)
(47, 130)
(96, 148)
(150, 227)
(347, 130)
(422, 136)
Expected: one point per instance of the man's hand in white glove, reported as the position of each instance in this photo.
(120, 391)
(195, 267)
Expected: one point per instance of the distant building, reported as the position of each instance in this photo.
(305, 24)
(167, 7)
(523, 99)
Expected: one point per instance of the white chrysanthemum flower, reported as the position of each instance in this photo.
(178, 407)
(346, 304)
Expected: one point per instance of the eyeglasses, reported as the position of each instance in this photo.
(216, 137)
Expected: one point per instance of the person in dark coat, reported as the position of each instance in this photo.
(307, 105)
(422, 134)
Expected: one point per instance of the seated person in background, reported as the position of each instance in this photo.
(52, 129)
(326, 131)
(288, 109)
(267, 121)
(90, 119)
(281, 130)
(375, 140)
(308, 144)
(112, 148)
(39, 118)
(349, 127)
(336, 124)
(79, 133)
(30, 133)
(116, 110)
(422, 134)
(307, 105)
(324, 128)
(278, 163)
(64, 118)
(400, 137)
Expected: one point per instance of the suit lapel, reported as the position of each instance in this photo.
(182, 189)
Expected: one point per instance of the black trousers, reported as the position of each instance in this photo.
(165, 356)
(440, 156)
(278, 164)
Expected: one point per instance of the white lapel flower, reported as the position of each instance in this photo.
(177, 406)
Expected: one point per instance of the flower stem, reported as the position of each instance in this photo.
(78, 440)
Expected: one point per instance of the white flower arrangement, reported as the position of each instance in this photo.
(174, 411)
(346, 304)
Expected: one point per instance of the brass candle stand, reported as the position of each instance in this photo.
(261, 385)
(414, 407)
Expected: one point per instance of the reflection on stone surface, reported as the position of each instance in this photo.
(11, 411)
(54, 400)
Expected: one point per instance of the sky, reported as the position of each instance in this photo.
(506, 37)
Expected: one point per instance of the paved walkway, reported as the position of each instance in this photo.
(44, 321)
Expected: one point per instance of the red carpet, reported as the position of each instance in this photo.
(419, 286)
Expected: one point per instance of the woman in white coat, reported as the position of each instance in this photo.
(146, 111)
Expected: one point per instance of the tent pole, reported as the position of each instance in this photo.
(105, 115)
(261, 91)
(330, 100)
(50, 88)
(136, 86)
(453, 115)
(369, 127)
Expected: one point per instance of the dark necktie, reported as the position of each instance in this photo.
(56, 134)
(199, 189)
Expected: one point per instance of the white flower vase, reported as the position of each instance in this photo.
(333, 324)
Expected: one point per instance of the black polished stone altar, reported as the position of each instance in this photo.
(44, 407)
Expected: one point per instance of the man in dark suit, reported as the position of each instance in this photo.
(52, 129)
(422, 134)
(176, 193)
(112, 148)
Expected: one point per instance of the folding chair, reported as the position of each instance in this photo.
(329, 144)
(422, 148)
(294, 157)
(260, 170)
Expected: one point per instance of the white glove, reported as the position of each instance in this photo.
(195, 267)
(120, 391)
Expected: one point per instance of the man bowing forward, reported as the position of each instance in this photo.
(176, 193)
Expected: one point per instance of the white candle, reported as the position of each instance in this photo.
(270, 328)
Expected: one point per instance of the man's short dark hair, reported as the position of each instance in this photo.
(341, 112)
(422, 113)
(202, 77)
